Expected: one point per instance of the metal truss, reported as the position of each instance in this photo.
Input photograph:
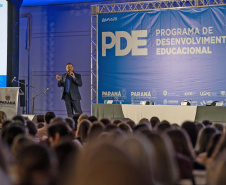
(94, 64)
(154, 5)
(132, 7)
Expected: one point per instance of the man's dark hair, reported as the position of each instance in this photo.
(12, 131)
(32, 128)
(49, 116)
(92, 119)
(58, 128)
(69, 64)
(40, 118)
(20, 118)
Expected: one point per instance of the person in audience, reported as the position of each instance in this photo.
(105, 121)
(164, 164)
(203, 140)
(14, 129)
(36, 166)
(82, 117)
(191, 130)
(219, 127)
(175, 126)
(163, 126)
(121, 162)
(207, 123)
(66, 153)
(154, 121)
(32, 129)
(57, 133)
(131, 123)
(21, 119)
(145, 121)
(140, 128)
(200, 126)
(20, 142)
(70, 122)
(116, 122)
(3, 118)
(95, 130)
(43, 132)
(183, 146)
(93, 119)
(40, 121)
(82, 132)
(125, 128)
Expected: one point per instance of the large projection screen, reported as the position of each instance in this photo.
(165, 56)
(3, 42)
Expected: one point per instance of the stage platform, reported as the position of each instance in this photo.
(172, 113)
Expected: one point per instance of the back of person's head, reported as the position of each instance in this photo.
(40, 118)
(70, 122)
(110, 128)
(154, 121)
(5, 126)
(140, 128)
(125, 128)
(164, 164)
(163, 126)
(116, 122)
(217, 169)
(60, 128)
(214, 140)
(82, 117)
(20, 118)
(20, 142)
(49, 116)
(95, 130)
(181, 142)
(57, 120)
(66, 152)
(131, 123)
(219, 127)
(83, 128)
(105, 121)
(221, 146)
(144, 121)
(12, 131)
(204, 138)
(36, 165)
(115, 166)
(199, 126)
(3, 117)
(58, 132)
(207, 123)
(191, 130)
(92, 119)
(32, 128)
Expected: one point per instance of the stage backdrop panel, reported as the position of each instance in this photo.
(165, 56)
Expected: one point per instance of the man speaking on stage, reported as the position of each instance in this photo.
(70, 83)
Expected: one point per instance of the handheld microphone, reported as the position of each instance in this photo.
(46, 90)
(14, 78)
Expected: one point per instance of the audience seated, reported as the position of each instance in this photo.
(43, 132)
(40, 121)
(191, 130)
(111, 153)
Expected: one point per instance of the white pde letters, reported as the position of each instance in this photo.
(133, 42)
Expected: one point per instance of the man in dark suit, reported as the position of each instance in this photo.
(70, 83)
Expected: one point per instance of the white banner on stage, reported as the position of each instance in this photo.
(9, 100)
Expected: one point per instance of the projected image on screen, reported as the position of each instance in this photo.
(3, 43)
